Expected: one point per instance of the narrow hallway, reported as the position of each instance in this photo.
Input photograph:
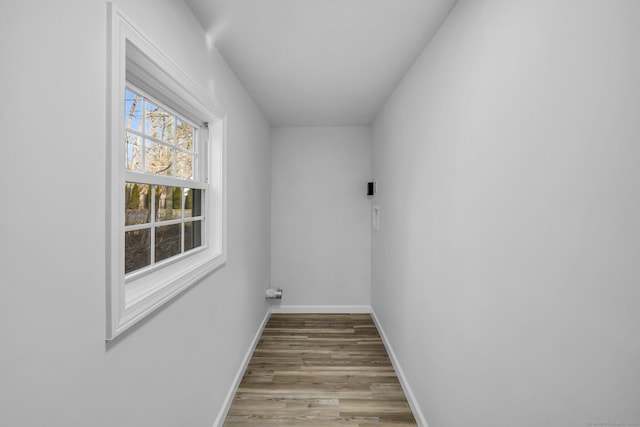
(166, 162)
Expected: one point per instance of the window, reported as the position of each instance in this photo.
(164, 189)
(166, 201)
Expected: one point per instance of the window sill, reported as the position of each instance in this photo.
(147, 293)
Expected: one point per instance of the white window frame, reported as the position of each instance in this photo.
(134, 60)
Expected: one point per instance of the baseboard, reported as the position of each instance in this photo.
(417, 412)
(336, 309)
(226, 405)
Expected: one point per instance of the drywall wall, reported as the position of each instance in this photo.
(505, 271)
(176, 367)
(320, 247)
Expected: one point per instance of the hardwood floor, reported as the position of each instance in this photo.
(320, 370)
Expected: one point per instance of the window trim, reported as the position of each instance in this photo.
(133, 58)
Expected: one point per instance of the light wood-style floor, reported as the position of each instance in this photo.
(320, 370)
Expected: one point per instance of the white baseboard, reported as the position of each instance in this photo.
(226, 405)
(336, 309)
(417, 412)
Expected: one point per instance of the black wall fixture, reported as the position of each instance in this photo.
(371, 188)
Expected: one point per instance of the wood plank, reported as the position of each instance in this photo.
(320, 370)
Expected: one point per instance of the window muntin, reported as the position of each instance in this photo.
(160, 221)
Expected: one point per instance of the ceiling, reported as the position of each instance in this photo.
(320, 62)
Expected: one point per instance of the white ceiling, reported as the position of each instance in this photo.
(320, 62)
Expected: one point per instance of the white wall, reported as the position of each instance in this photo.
(320, 247)
(506, 271)
(176, 367)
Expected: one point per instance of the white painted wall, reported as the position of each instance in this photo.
(320, 247)
(506, 270)
(176, 367)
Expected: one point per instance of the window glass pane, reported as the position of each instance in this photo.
(158, 158)
(137, 250)
(184, 165)
(136, 202)
(167, 241)
(192, 235)
(184, 135)
(132, 110)
(159, 142)
(168, 203)
(193, 203)
(158, 122)
(133, 150)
